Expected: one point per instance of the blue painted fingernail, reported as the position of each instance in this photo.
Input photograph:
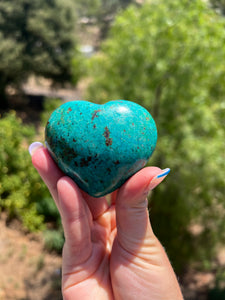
(34, 146)
(165, 172)
(158, 178)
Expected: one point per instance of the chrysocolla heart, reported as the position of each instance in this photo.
(100, 146)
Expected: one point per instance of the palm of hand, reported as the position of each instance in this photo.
(97, 264)
(102, 258)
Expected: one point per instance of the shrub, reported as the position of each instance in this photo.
(167, 56)
(23, 195)
(54, 240)
(20, 186)
(50, 104)
(53, 237)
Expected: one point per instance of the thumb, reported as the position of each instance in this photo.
(132, 218)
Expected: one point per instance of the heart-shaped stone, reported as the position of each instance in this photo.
(100, 146)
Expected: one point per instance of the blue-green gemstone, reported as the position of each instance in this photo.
(100, 146)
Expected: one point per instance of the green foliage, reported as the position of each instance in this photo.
(54, 240)
(23, 195)
(88, 8)
(47, 208)
(37, 37)
(49, 106)
(103, 12)
(20, 185)
(167, 56)
(99, 8)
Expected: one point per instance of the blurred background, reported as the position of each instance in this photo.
(168, 56)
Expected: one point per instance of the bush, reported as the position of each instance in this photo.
(167, 56)
(53, 236)
(54, 240)
(20, 186)
(23, 195)
(50, 104)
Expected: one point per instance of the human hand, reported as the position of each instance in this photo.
(110, 250)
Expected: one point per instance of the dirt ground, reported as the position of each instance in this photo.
(27, 271)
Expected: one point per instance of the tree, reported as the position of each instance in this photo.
(36, 37)
(167, 56)
(102, 11)
(97, 8)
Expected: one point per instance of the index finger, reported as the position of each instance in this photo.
(48, 170)
(50, 173)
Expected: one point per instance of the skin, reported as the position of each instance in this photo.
(110, 250)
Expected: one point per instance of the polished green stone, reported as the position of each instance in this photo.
(100, 146)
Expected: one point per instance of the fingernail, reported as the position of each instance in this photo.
(158, 178)
(34, 146)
